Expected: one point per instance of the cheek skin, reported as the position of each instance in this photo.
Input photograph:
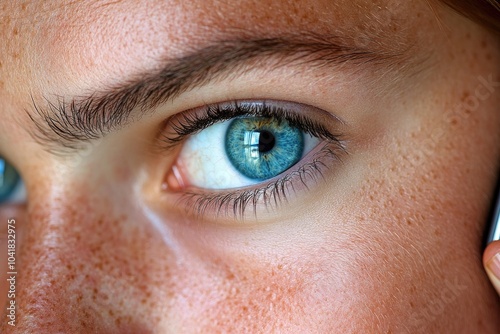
(426, 192)
(86, 267)
(90, 262)
(7, 214)
(72, 270)
(227, 295)
(229, 288)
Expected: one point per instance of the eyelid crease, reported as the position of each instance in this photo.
(186, 124)
(69, 122)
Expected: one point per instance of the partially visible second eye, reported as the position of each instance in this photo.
(241, 152)
(11, 186)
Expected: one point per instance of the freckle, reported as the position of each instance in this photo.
(465, 96)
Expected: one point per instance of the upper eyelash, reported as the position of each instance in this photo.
(192, 123)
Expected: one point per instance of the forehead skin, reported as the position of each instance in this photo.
(85, 41)
(374, 263)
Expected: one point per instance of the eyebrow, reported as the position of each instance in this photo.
(68, 123)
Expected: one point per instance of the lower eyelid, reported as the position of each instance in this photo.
(264, 197)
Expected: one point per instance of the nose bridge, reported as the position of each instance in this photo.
(43, 255)
(71, 262)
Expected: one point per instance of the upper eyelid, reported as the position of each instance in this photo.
(69, 122)
(189, 122)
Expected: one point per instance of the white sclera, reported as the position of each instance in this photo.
(205, 163)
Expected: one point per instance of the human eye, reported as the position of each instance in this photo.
(12, 190)
(249, 153)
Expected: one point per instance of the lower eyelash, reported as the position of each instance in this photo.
(271, 195)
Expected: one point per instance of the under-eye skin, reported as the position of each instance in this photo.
(242, 153)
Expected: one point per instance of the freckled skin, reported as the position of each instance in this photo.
(390, 242)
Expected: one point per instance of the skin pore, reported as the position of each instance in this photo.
(388, 240)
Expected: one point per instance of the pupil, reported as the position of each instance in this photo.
(261, 148)
(266, 141)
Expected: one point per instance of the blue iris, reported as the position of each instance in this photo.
(9, 179)
(261, 148)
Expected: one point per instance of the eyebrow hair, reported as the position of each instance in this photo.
(68, 124)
